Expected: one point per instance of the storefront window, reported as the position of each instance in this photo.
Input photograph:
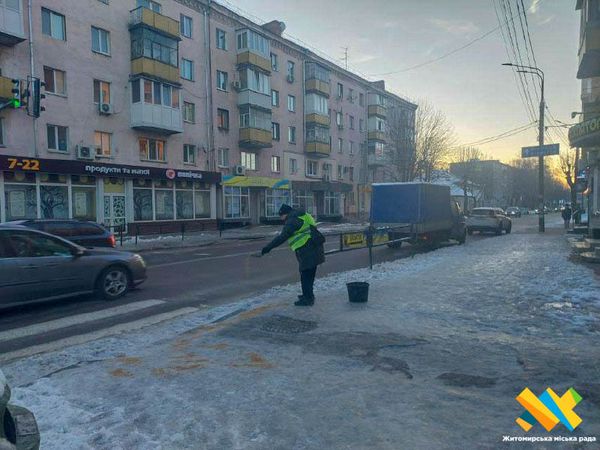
(237, 202)
(202, 201)
(184, 200)
(305, 200)
(20, 198)
(83, 194)
(274, 199)
(54, 196)
(333, 203)
(142, 204)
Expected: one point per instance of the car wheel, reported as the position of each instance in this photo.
(469, 232)
(499, 230)
(463, 238)
(508, 230)
(113, 282)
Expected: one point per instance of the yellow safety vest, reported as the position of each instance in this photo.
(302, 234)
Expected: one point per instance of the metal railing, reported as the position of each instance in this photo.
(132, 230)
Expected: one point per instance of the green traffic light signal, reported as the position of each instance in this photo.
(16, 103)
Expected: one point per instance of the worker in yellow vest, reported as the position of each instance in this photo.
(300, 231)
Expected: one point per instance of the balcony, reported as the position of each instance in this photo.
(248, 97)
(11, 25)
(317, 118)
(155, 69)
(249, 58)
(374, 160)
(318, 87)
(156, 118)
(255, 138)
(589, 52)
(377, 110)
(377, 136)
(315, 148)
(144, 16)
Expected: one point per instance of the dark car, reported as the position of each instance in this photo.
(36, 266)
(81, 232)
(513, 211)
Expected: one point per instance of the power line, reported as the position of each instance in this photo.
(500, 136)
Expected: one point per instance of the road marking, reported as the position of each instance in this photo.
(52, 325)
(211, 258)
(83, 338)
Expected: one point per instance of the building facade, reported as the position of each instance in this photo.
(162, 113)
(492, 177)
(586, 134)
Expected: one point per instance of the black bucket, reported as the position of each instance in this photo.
(358, 292)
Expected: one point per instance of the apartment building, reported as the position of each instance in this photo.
(586, 134)
(173, 111)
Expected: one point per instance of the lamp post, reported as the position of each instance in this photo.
(540, 73)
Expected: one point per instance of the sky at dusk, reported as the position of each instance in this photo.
(476, 93)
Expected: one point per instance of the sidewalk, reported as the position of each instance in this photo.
(198, 239)
(434, 360)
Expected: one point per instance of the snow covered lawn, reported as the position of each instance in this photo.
(434, 360)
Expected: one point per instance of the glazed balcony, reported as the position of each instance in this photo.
(156, 118)
(374, 160)
(255, 138)
(257, 99)
(249, 58)
(317, 86)
(155, 69)
(11, 25)
(377, 136)
(315, 148)
(143, 16)
(589, 52)
(377, 110)
(318, 119)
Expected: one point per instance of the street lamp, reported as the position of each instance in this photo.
(540, 73)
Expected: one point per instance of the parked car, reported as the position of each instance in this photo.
(513, 211)
(488, 219)
(81, 232)
(36, 266)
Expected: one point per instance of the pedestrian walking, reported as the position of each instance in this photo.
(566, 215)
(300, 232)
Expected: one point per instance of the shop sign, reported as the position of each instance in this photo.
(585, 134)
(72, 167)
(260, 182)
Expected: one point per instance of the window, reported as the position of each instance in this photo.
(351, 95)
(317, 133)
(361, 125)
(340, 90)
(189, 154)
(151, 44)
(339, 119)
(274, 198)
(150, 4)
(326, 171)
(248, 160)
(185, 25)
(55, 81)
(333, 202)
(304, 200)
(274, 97)
(152, 149)
(340, 172)
(351, 148)
(255, 81)
(237, 202)
(275, 131)
(157, 93)
(222, 80)
(316, 104)
(376, 124)
(292, 135)
(312, 168)
(291, 103)
(255, 118)
(351, 173)
(290, 71)
(275, 164)
(223, 119)
(102, 141)
(293, 166)
(189, 112)
(274, 62)
(250, 40)
(351, 122)
(340, 145)
(53, 25)
(361, 99)
(187, 69)
(223, 157)
(102, 91)
(100, 41)
(316, 72)
(221, 39)
(57, 137)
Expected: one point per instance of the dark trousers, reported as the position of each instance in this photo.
(307, 278)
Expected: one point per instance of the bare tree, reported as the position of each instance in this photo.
(568, 169)
(434, 137)
(465, 157)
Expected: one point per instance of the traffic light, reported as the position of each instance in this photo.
(34, 105)
(16, 91)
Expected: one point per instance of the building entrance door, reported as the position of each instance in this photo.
(114, 210)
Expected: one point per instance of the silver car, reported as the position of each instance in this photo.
(36, 266)
(488, 219)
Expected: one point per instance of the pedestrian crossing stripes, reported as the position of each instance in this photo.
(78, 319)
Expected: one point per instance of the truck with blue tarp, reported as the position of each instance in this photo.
(417, 212)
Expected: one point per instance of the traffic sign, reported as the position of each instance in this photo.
(540, 150)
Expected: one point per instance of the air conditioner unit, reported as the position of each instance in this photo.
(239, 170)
(290, 78)
(85, 152)
(236, 85)
(105, 108)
